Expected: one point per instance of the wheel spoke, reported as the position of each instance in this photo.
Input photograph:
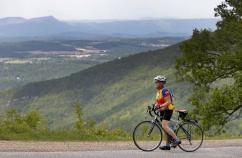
(191, 136)
(147, 136)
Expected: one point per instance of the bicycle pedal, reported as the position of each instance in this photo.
(173, 146)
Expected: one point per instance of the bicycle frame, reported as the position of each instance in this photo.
(156, 121)
(177, 123)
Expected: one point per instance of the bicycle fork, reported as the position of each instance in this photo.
(152, 127)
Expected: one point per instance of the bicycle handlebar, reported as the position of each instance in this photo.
(152, 109)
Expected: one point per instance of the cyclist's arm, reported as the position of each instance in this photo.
(156, 104)
(167, 101)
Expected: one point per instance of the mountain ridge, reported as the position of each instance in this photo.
(50, 26)
(11, 20)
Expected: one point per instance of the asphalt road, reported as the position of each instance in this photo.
(220, 152)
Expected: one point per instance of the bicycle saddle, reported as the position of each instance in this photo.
(180, 110)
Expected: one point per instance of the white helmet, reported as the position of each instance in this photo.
(160, 78)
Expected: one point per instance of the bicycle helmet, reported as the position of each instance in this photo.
(160, 79)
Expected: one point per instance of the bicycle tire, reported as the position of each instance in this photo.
(191, 136)
(145, 141)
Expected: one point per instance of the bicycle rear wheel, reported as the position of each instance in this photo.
(147, 136)
(191, 136)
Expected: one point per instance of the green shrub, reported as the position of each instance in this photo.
(31, 126)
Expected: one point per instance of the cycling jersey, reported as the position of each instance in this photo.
(161, 94)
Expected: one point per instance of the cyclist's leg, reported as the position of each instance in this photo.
(165, 125)
(167, 146)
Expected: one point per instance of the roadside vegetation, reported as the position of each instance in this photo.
(32, 126)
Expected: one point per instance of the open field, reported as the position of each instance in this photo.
(17, 61)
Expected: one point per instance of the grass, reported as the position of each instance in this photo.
(221, 137)
(61, 137)
(72, 136)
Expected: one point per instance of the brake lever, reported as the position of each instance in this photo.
(149, 109)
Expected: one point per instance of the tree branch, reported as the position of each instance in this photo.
(235, 109)
(215, 53)
(237, 116)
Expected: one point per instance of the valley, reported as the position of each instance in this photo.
(60, 57)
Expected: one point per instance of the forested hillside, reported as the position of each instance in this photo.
(115, 93)
(17, 74)
(112, 93)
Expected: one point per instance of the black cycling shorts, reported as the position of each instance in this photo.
(166, 115)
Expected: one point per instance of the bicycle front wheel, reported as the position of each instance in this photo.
(147, 136)
(191, 136)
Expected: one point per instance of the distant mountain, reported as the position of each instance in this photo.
(34, 27)
(161, 34)
(78, 34)
(11, 20)
(141, 27)
(49, 26)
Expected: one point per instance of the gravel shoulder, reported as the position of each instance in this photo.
(33, 146)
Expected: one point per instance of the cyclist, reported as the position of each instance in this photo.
(165, 105)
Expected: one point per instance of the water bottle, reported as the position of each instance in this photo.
(172, 127)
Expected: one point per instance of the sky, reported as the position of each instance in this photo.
(109, 9)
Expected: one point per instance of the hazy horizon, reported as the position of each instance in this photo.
(142, 18)
(76, 10)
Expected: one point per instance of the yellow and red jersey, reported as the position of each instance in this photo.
(160, 98)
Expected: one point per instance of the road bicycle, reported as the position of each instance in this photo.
(147, 135)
